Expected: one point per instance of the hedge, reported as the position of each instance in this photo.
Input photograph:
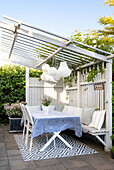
(12, 86)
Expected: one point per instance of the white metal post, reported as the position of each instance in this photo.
(78, 89)
(27, 85)
(108, 104)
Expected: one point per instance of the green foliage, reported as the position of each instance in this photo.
(109, 2)
(94, 71)
(68, 80)
(46, 101)
(112, 149)
(12, 87)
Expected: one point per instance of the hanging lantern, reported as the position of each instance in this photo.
(45, 67)
(56, 77)
(63, 70)
(43, 76)
(52, 71)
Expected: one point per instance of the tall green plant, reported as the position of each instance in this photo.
(12, 86)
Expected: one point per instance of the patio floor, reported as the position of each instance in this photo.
(10, 157)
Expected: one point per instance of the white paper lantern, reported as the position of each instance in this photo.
(63, 70)
(43, 76)
(45, 67)
(56, 77)
(52, 71)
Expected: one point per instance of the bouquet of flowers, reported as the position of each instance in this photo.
(14, 110)
(46, 101)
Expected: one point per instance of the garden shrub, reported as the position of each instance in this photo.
(12, 86)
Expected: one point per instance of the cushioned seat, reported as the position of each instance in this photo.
(87, 129)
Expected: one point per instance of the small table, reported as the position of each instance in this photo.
(55, 122)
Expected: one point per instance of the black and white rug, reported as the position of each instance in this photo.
(61, 150)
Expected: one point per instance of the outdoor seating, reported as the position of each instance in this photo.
(30, 125)
(92, 121)
(25, 118)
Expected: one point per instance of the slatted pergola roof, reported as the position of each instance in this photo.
(30, 46)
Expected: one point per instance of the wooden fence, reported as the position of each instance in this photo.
(81, 94)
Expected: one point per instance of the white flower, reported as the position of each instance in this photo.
(94, 41)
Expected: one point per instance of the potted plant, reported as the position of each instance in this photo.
(45, 103)
(14, 113)
(112, 152)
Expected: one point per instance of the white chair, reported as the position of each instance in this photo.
(30, 125)
(24, 117)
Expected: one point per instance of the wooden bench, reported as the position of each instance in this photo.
(95, 132)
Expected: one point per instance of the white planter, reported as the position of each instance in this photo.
(45, 109)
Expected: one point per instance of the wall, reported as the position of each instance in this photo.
(88, 96)
(39, 89)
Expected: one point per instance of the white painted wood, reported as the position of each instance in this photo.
(54, 53)
(27, 85)
(96, 81)
(85, 97)
(102, 76)
(55, 134)
(78, 89)
(108, 104)
(110, 56)
(71, 88)
(39, 89)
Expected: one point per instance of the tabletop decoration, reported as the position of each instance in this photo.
(46, 101)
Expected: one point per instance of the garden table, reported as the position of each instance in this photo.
(55, 122)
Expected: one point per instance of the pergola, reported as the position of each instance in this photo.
(30, 46)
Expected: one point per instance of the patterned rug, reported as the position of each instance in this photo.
(61, 150)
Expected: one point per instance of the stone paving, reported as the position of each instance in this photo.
(10, 157)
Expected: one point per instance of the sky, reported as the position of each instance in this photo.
(61, 17)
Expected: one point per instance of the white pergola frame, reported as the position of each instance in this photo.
(25, 44)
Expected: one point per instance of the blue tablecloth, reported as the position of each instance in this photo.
(55, 121)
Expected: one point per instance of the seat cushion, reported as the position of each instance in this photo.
(34, 108)
(59, 107)
(97, 119)
(87, 115)
(78, 112)
(68, 109)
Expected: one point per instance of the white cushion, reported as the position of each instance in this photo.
(97, 119)
(59, 107)
(78, 112)
(34, 108)
(87, 115)
(51, 108)
(68, 109)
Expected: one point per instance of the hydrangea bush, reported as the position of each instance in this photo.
(13, 110)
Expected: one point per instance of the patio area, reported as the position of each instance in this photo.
(10, 156)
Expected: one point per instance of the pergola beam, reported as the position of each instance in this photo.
(61, 44)
(55, 35)
(110, 56)
(54, 53)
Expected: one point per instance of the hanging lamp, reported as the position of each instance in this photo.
(45, 67)
(63, 70)
(52, 71)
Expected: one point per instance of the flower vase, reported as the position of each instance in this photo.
(45, 109)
